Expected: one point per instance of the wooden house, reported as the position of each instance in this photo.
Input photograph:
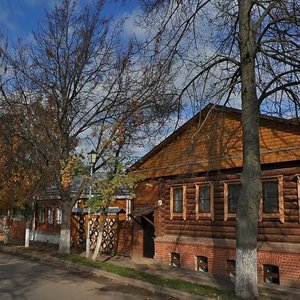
(47, 218)
(186, 206)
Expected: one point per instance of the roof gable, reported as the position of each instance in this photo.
(212, 140)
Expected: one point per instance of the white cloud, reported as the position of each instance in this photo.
(131, 27)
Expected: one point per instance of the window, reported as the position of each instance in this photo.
(231, 268)
(202, 264)
(178, 201)
(205, 200)
(231, 196)
(175, 259)
(272, 202)
(58, 215)
(271, 274)
(270, 197)
(41, 214)
(50, 215)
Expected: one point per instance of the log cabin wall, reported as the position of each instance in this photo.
(147, 196)
(273, 229)
(214, 238)
(207, 151)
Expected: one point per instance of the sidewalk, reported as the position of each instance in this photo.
(43, 252)
(152, 267)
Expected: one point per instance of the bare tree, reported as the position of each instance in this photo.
(223, 51)
(76, 84)
(67, 80)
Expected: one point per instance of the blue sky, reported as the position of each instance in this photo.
(19, 17)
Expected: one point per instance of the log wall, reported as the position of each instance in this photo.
(272, 230)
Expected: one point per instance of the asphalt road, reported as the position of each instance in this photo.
(26, 279)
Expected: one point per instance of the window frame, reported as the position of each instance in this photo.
(175, 256)
(184, 201)
(202, 266)
(41, 212)
(209, 214)
(273, 215)
(228, 214)
(231, 267)
(50, 215)
(274, 276)
(58, 215)
(298, 192)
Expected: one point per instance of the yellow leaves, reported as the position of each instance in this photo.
(71, 169)
(107, 188)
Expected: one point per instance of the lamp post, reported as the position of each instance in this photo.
(92, 156)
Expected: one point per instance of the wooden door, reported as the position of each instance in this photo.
(149, 234)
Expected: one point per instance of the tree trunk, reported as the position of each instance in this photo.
(247, 213)
(6, 229)
(65, 236)
(100, 238)
(27, 233)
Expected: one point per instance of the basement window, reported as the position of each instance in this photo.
(175, 259)
(231, 268)
(202, 263)
(271, 274)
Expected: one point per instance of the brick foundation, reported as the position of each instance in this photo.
(288, 263)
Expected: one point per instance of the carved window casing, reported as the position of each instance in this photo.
(178, 201)
(271, 204)
(204, 200)
(231, 194)
(272, 201)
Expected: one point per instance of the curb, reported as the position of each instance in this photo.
(100, 273)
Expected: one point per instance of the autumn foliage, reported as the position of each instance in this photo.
(20, 172)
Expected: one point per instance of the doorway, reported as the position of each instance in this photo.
(149, 235)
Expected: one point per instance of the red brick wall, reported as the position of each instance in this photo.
(289, 266)
(18, 229)
(138, 237)
(124, 239)
(289, 263)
